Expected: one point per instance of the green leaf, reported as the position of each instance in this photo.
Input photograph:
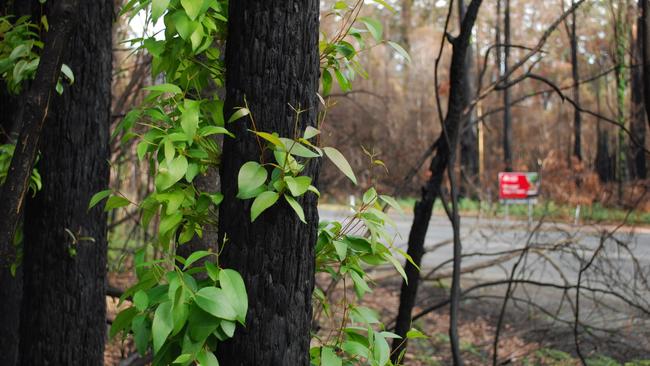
(141, 333)
(165, 88)
(251, 177)
(370, 196)
(365, 315)
(297, 149)
(327, 82)
(341, 249)
(207, 358)
(122, 320)
(374, 26)
(212, 270)
(190, 118)
(381, 351)
(114, 202)
(213, 130)
(296, 207)
(360, 284)
(98, 197)
(170, 173)
(234, 289)
(141, 300)
(214, 301)
(240, 113)
(158, 7)
(196, 256)
(184, 25)
(162, 325)
(192, 8)
(397, 265)
(355, 348)
(344, 83)
(271, 138)
(400, 50)
(263, 202)
(169, 222)
(415, 334)
(329, 358)
(386, 5)
(310, 132)
(197, 37)
(170, 151)
(184, 358)
(67, 71)
(392, 203)
(228, 327)
(339, 160)
(297, 185)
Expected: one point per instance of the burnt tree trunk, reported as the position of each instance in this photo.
(63, 320)
(575, 73)
(603, 158)
(446, 143)
(273, 61)
(469, 159)
(507, 115)
(638, 118)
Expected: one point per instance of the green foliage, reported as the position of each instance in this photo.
(182, 309)
(182, 313)
(20, 45)
(346, 250)
(340, 51)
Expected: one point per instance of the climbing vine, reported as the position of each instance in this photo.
(181, 308)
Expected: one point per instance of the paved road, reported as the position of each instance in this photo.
(484, 240)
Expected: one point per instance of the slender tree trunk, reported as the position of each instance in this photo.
(638, 118)
(446, 143)
(645, 50)
(621, 86)
(63, 320)
(603, 160)
(469, 159)
(575, 72)
(273, 61)
(507, 115)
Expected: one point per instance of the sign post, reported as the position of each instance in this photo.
(519, 188)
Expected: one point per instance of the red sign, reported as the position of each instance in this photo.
(518, 186)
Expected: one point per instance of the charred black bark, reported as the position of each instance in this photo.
(469, 159)
(272, 60)
(603, 163)
(37, 103)
(507, 115)
(63, 320)
(445, 145)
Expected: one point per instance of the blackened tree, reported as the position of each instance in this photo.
(272, 60)
(64, 263)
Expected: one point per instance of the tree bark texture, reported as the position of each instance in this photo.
(272, 59)
(469, 157)
(37, 105)
(575, 73)
(63, 320)
(507, 115)
(446, 143)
